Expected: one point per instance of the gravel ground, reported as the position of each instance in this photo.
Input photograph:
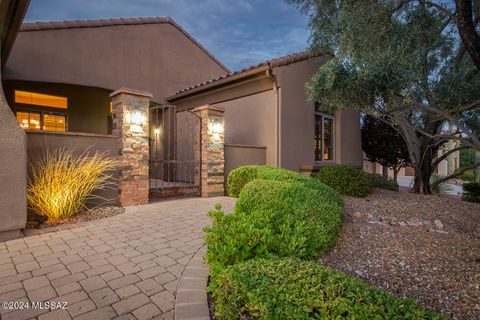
(422, 247)
(87, 215)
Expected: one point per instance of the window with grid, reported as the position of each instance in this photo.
(42, 121)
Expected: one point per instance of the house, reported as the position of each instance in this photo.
(266, 107)
(132, 88)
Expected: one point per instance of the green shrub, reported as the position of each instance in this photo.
(468, 176)
(273, 219)
(378, 181)
(345, 179)
(239, 177)
(471, 192)
(295, 289)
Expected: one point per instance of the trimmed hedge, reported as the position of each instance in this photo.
(471, 192)
(345, 179)
(273, 219)
(378, 181)
(294, 289)
(240, 176)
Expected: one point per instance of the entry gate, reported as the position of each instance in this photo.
(174, 152)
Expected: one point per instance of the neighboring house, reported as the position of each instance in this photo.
(266, 106)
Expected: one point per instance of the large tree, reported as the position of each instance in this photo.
(398, 59)
(383, 144)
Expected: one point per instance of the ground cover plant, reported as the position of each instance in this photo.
(378, 181)
(62, 182)
(294, 289)
(471, 192)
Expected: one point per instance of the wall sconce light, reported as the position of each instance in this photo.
(156, 131)
(216, 128)
(137, 118)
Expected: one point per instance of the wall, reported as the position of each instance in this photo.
(241, 155)
(13, 173)
(297, 121)
(88, 108)
(38, 142)
(154, 57)
(251, 120)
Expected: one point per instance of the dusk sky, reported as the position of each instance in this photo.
(238, 32)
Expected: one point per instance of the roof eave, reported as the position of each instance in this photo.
(218, 83)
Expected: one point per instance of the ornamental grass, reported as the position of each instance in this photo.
(62, 182)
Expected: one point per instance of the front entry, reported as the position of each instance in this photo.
(174, 152)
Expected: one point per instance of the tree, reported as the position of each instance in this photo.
(399, 60)
(384, 144)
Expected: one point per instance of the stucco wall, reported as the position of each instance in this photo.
(153, 57)
(88, 107)
(39, 142)
(297, 121)
(251, 120)
(241, 155)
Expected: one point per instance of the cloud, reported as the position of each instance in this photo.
(239, 33)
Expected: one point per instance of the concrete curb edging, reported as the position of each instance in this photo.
(191, 300)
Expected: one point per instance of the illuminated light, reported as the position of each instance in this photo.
(39, 99)
(137, 118)
(156, 131)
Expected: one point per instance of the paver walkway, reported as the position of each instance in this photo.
(127, 266)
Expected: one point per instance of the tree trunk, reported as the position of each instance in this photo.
(476, 171)
(395, 174)
(466, 28)
(385, 172)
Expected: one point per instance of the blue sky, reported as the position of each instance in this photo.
(238, 32)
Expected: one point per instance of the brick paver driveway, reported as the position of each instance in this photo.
(126, 266)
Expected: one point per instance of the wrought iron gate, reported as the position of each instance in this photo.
(174, 152)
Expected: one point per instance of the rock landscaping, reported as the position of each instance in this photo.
(423, 247)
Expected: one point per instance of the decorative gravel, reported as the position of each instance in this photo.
(87, 215)
(422, 247)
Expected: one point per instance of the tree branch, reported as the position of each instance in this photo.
(446, 154)
(440, 8)
(456, 174)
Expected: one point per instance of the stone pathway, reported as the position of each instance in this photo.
(124, 267)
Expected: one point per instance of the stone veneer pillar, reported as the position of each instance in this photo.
(212, 150)
(130, 110)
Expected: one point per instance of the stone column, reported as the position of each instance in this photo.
(212, 150)
(131, 124)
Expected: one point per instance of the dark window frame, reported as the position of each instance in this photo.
(319, 131)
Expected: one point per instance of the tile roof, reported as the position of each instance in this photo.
(73, 24)
(272, 63)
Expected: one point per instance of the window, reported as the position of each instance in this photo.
(323, 135)
(48, 121)
(39, 99)
(29, 120)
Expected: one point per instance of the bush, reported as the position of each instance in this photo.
(61, 183)
(471, 192)
(239, 177)
(442, 187)
(468, 176)
(378, 181)
(345, 179)
(294, 289)
(273, 219)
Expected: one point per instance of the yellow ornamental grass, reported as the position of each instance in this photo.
(62, 182)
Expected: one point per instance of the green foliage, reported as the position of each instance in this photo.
(294, 289)
(273, 219)
(378, 181)
(468, 175)
(471, 192)
(441, 187)
(345, 179)
(240, 176)
(467, 157)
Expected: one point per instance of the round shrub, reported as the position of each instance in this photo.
(273, 219)
(240, 176)
(294, 289)
(378, 181)
(471, 192)
(345, 179)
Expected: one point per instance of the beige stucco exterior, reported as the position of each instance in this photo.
(156, 57)
(268, 107)
(13, 140)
